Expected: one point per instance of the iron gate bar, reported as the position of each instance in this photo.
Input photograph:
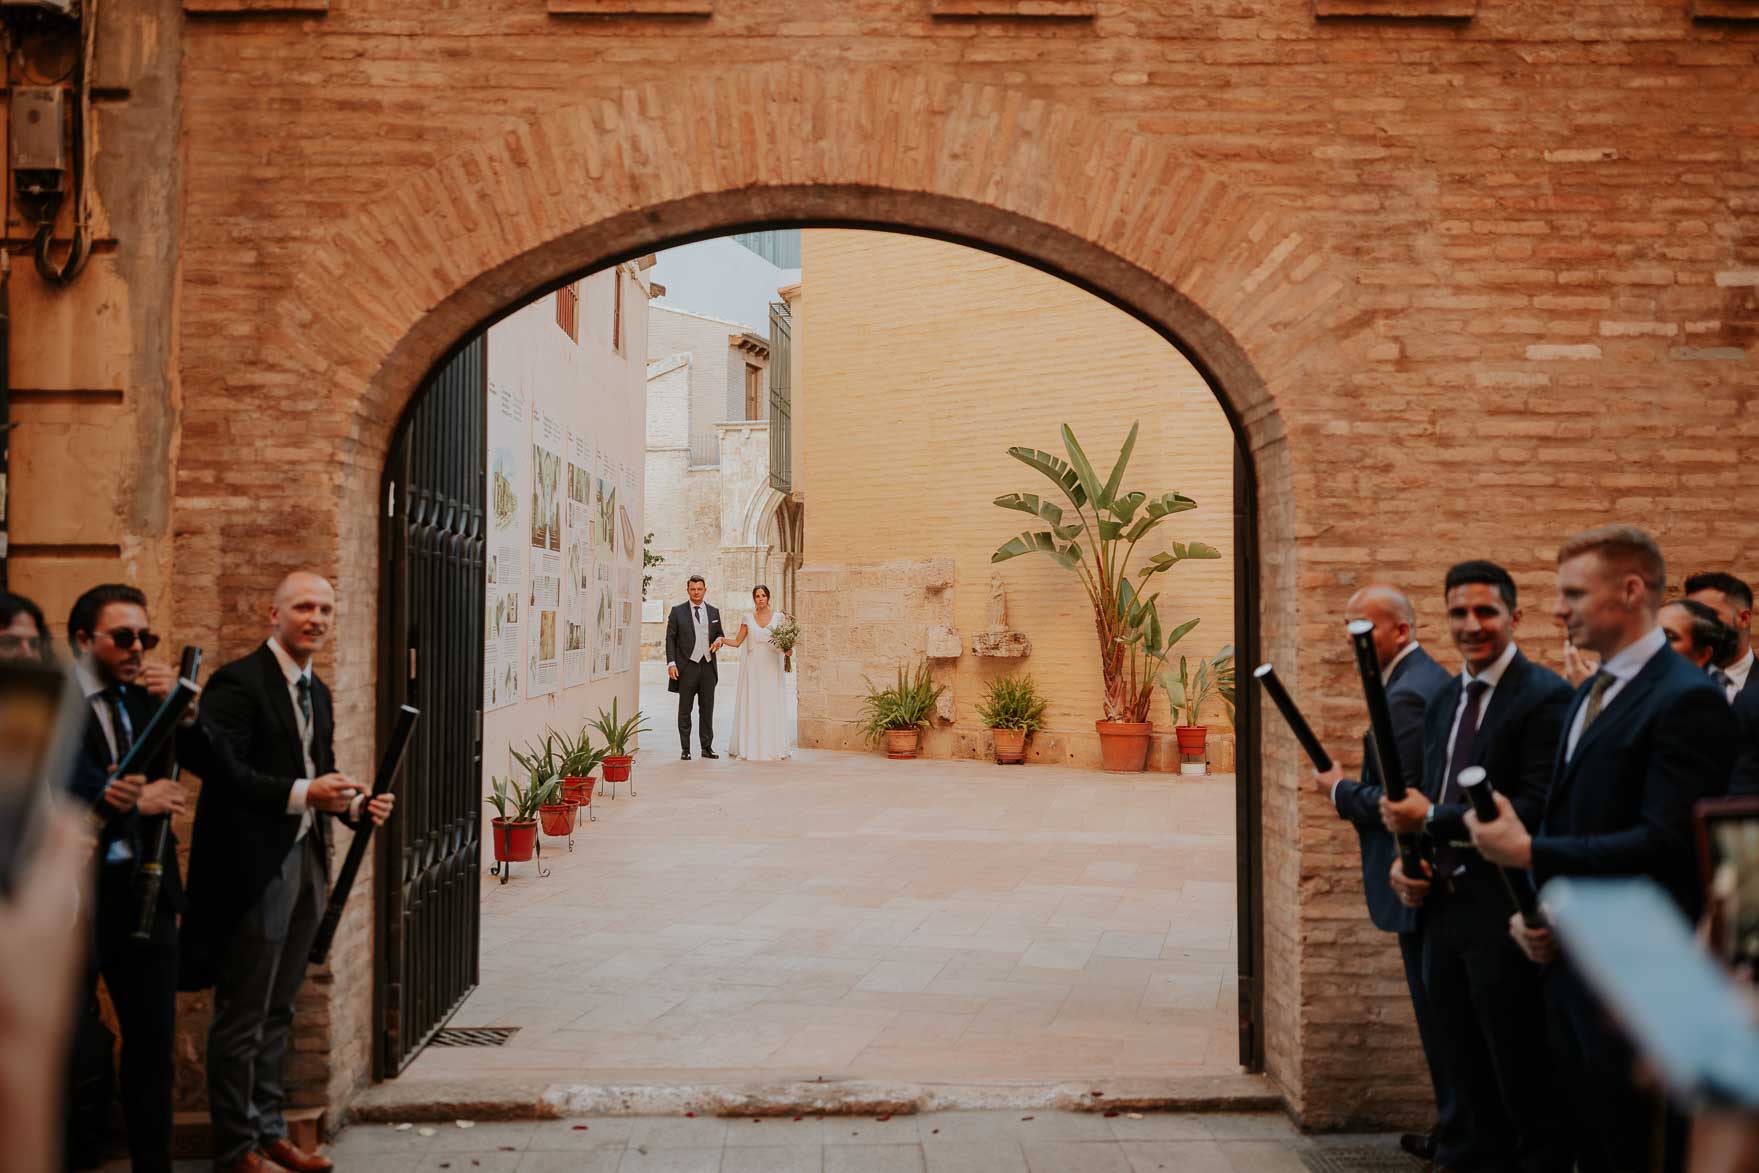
(431, 631)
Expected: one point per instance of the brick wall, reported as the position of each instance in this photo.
(1465, 285)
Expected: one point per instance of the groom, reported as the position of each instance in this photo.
(693, 636)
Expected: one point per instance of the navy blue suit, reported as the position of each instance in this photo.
(1745, 780)
(1621, 805)
(1484, 993)
(1409, 686)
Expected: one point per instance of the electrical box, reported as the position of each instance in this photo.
(39, 139)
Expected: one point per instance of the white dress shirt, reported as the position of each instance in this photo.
(699, 622)
(1623, 665)
(1490, 676)
(1737, 674)
(1386, 674)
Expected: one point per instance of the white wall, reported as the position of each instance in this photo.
(601, 392)
(721, 279)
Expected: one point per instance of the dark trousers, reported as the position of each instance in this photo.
(1616, 1127)
(1489, 1018)
(696, 682)
(261, 970)
(1411, 953)
(141, 978)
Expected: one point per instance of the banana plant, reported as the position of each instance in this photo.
(1095, 535)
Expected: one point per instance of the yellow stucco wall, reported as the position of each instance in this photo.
(921, 363)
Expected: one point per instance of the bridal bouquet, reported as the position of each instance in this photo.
(784, 635)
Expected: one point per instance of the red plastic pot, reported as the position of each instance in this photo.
(1191, 739)
(515, 840)
(617, 769)
(558, 818)
(578, 789)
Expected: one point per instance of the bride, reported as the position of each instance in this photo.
(764, 703)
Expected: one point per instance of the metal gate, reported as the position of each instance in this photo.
(431, 640)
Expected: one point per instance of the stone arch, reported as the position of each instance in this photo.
(1247, 291)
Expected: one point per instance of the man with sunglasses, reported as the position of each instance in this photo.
(109, 635)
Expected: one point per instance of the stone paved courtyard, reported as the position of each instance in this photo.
(843, 917)
(935, 1142)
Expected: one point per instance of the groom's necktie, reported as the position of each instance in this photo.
(700, 652)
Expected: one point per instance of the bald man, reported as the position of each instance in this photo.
(1411, 678)
(259, 869)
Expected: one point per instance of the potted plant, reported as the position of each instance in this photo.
(1191, 689)
(576, 759)
(1013, 710)
(515, 821)
(1096, 540)
(898, 714)
(617, 735)
(542, 764)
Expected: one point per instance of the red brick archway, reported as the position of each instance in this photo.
(377, 298)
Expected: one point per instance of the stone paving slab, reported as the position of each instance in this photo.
(841, 917)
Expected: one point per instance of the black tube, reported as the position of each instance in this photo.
(1386, 746)
(1481, 794)
(159, 731)
(382, 782)
(152, 869)
(1266, 675)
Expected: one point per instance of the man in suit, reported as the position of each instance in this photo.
(1643, 740)
(259, 870)
(109, 635)
(1695, 631)
(693, 636)
(1732, 599)
(1411, 677)
(1503, 713)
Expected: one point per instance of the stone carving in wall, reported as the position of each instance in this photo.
(999, 639)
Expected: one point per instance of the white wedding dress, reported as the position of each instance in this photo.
(765, 703)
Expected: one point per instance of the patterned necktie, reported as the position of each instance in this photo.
(1596, 695)
(304, 685)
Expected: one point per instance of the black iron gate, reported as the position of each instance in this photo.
(431, 639)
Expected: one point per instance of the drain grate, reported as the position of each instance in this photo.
(1359, 1160)
(472, 1036)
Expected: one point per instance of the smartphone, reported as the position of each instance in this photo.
(1685, 1012)
(1728, 862)
(42, 718)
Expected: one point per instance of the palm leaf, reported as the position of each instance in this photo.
(1065, 477)
(1116, 480)
(1039, 542)
(1082, 466)
(1050, 511)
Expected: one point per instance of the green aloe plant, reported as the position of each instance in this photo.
(908, 704)
(1096, 539)
(1012, 702)
(541, 759)
(1197, 681)
(618, 734)
(514, 803)
(577, 758)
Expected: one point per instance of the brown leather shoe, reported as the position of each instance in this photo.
(290, 1156)
(252, 1162)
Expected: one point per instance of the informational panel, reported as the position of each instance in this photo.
(509, 476)
(577, 583)
(543, 646)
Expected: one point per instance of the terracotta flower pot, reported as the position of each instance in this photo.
(902, 743)
(617, 769)
(578, 789)
(1010, 745)
(515, 839)
(558, 818)
(1191, 738)
(1123, 745)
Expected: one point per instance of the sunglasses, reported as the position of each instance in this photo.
(124, 637)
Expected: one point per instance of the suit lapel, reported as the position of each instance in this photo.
(1629, 696)
(1435, 748)
(281, 704)
(1503, 699)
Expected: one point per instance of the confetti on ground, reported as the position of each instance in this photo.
(1133, 1115)
(580, 1128)
(404, 1127)
(690, 1115)
(424, 1132)
(884, 1118)
(465, 1123)
(1028, 1117)
(1110, 1115)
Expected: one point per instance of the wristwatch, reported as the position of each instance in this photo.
(1429, 817)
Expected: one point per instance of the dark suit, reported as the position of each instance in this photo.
(141, 977)
(1745, 779)
(1621, 805)
(696, 681)
(1483, 992)
(256, 892)
(1413, 680)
